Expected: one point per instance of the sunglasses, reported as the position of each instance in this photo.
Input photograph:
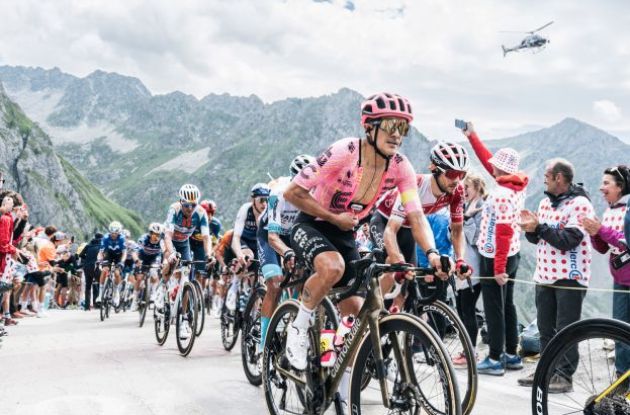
(154, 234)
(453, 174)
(189, 205)
(261, 199)
(615, 170)
(392, 125)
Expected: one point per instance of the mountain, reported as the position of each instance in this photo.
(54, 191)
(140, 148)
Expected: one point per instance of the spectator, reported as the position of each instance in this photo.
(9, 200)
(607, 236)
(499, 247)
(88, 257)
(563, 260)
(467, 296)
(46, 255)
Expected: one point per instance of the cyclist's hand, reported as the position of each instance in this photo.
(289, 260)
(429, 278)
(463, 269)
(172, 257)
(242, 260)
(346, 221)
(434, 261)
(501, 279)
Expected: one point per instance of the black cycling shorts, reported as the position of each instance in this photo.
(310, 238)
(37, 277)
(112, 257)
(406, 243)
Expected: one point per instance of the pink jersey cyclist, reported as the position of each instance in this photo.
(336, 177)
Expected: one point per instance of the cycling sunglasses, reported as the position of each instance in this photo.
(262, 199)
(189, 205)
(454, 174)
(391, 125)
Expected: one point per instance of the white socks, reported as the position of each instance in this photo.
(303, 318)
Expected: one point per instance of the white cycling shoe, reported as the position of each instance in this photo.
(184, 330)
(297, 346)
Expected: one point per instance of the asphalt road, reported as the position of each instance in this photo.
(71, 363)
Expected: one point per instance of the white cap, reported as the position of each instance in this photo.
(506, 159)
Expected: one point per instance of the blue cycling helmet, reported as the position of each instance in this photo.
(260, 190)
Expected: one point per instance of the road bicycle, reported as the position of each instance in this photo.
(143, 299)
(576, 373)
(419, 375)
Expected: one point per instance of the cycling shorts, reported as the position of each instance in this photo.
(183, 249)
(404, 238)
(310, 238)
(199, 255)
(269, 258)
(113, 257)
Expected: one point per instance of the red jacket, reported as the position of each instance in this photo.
(6, 237)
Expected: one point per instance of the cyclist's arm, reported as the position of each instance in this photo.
(277, 244)
(275, 208)
(390, 241)
(204, 227)
(459, 242)
(239, 225)
(301, 198)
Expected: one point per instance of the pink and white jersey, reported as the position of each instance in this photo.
(391, 207)
(334, 179)
(553, 264)
(503, 206)
(613, 218)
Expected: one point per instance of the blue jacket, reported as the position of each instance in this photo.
(440, 226)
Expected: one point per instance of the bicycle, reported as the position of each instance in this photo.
(234, 306)
(251, 326)
(107, 294)
(144, 290)
(594, 389)
(181, 300)
(125, 295)
(409, 385)
(185, 268)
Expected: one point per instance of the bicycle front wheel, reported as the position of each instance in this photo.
(251, 336)
(419, 376)
(199, 305)
(186, 319)
(143, 302)
(577, 372)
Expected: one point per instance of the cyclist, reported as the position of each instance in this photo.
(132, 257)
(224, 255)
(149, 250)
(244, 242)
(196, 239)
(114, 251)
(182, 219)
(441, 188)
(336, 194)
(274, 230)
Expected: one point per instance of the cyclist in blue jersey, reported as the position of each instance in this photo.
(244, 242)
(181, 221)
(274, 232)
(196, 239)
(114, 251)
(148, 253)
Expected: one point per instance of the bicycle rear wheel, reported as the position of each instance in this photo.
(431, 387)
(143, 301)
(578, 365)
(162, 315)
(199, 304)
(230, 320)
(447, 324)
(251, 336)
(185, 319)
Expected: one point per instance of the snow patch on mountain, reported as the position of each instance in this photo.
(188, 162)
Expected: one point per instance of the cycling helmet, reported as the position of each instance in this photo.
(189, 193)
(209, 206)
(449, 156)
(299, 162)
(115, 227)
(126, 233)
(260, 190)
(385, 105)
(155, 227)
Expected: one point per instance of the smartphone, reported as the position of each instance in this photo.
(461, 124)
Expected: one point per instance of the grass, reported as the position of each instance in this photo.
(97, 206)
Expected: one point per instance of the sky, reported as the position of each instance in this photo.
(445, 56)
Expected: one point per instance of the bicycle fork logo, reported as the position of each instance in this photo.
(346, 346)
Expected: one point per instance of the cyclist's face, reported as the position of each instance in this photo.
(260, 203)
(449, 185)
(188, 208)
(389, 138)
(154, 237)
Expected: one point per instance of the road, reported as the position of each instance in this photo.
(71, 363)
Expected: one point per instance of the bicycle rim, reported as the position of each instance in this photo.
(578, 365)
(250, 338)
(201, 315)
(229, 330)
(186, 315)
(408, 345)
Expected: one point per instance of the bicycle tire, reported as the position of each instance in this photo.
(119, 306)
(409, 326)
(201, 314)
(469, 393)
(251, 336)
(108, 296)
(568, 337)
(145, 296)
(162, 323)
(190, 314)
(230, 324)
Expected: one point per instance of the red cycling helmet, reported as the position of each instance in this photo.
(209, 206)
(386, 105)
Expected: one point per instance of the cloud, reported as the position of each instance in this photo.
(607, 110)
(445, 56)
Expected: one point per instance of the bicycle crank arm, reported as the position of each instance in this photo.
(379, 364)
(287, 373)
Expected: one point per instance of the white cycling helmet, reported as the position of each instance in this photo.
(260, 190)
(155, 227)
(115, 227)
(449, 156)
(189, 193)
(299, 162)
(126, 233)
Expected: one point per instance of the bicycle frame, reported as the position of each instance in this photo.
(614, 386)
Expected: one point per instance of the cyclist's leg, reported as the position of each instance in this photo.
(272, 273)
(407, 246)
(198, 254)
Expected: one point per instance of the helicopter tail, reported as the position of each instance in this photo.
(505, 51)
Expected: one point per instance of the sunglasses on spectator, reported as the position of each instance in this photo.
(188, 205)
(391, 125)
(615, 170)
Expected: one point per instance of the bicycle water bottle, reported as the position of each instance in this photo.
(342, 331)
(47, 300)
(327, 347)
(230, 301)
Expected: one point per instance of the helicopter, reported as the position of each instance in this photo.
(533, 41)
